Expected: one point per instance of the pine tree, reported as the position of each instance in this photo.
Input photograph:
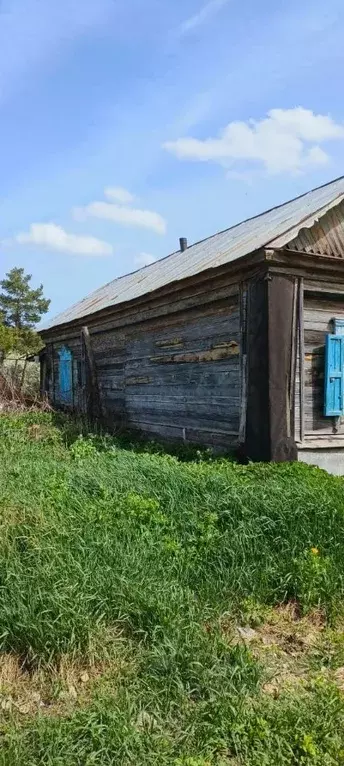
(21, 307)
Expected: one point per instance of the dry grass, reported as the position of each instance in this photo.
(291, 648)
(55, 690)
(19, 387)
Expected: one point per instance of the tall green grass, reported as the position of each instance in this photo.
(124, 553)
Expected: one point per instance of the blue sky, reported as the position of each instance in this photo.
(129, 123)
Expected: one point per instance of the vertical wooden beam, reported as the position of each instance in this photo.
(257, 441)
(293, 359)
(271, 330)
(52, 374)
(302, 359)
(243, 361)
(280, 344)
(83, 376)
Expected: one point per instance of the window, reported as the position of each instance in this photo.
(334, 370)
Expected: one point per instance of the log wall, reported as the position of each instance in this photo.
(177, 374)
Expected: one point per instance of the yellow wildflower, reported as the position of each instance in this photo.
(315, 551)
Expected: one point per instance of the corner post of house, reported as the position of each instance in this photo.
(271, 330)
(257, 431)
(281, 309)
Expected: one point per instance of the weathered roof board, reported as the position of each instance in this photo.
(275, 228)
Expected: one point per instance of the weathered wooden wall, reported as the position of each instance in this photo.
(319, 308)
(174, 374)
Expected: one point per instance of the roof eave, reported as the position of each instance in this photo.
(245, 263)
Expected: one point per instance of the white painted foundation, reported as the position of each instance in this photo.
(330, 459)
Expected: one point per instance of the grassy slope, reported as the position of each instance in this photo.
(123, 579)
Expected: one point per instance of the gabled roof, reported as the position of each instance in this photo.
(275, 228)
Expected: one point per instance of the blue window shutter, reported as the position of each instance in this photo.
(65, 375)
(334, 373)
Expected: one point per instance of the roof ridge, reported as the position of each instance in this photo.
(208, 252)
(309, 216)
(217, 233)
(269, 210)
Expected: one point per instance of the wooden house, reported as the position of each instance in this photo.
(221, 343)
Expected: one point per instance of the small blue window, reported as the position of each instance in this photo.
(65, 375)
(334, 371)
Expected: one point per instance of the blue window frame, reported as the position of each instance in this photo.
(334, 371)
(65, 375)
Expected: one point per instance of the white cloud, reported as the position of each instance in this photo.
(127, 216)
(118, 194)
(286, 141)
(144, 259)
(54, 237)
(202, 16)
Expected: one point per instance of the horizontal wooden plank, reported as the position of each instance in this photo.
(212, 436)
(184, 420)
(324, 304)
(321, 442)
(217, 381)
(208, 283)
(181, 311)
(214, 354)
(207, 337)
(175, 409)
(328, 288)
(187, 398)
(200, 370)
(177, 375)
(314, 337)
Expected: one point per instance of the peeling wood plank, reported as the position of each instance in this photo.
(212, 355)
(137, 381)
(172, 343)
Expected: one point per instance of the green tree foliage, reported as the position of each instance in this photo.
(21, 306)
(8, 340)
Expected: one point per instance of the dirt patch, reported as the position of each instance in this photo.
(283, 644)
(339, 678)
(50, 690)
(285, 629)
(290, 632)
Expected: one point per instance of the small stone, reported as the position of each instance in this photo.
(84, 677)
(247, 633)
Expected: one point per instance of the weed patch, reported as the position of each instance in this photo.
(158, 610)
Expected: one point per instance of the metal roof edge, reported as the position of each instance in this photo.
(306, 223)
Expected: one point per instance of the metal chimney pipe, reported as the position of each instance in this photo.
(183, 244)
